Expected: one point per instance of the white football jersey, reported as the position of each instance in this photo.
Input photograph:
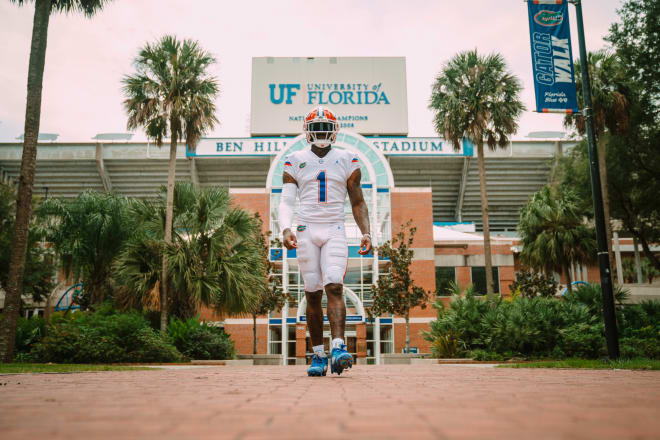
(321, 183)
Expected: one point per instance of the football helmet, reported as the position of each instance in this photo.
(321, 127)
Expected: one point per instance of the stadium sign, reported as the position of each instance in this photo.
(368, 94)
(552, 57)
(271, 146)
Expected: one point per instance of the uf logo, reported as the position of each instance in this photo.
(290, 92)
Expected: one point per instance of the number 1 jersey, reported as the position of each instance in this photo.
(321, 183)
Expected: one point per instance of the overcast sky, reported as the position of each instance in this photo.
(86, 59)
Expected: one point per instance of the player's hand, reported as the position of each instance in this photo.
(290, 240)
(365, 244)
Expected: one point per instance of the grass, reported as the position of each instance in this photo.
(625, 364)
(63, 368)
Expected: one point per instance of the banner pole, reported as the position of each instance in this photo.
(611, 333)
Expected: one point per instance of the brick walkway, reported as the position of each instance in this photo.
(384, 402)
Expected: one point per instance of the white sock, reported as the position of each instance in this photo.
(337, 343)
(319, 350)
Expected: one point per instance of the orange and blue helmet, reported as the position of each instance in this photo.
(321, 127)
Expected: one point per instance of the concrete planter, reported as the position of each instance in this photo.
(222, 362)
(262, 359)
(401, 358)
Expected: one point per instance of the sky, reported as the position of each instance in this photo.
(87, 58)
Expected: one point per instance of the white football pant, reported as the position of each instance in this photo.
(322, 254)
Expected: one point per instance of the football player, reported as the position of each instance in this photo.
(321, 176)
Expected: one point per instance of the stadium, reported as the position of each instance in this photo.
(425, 180)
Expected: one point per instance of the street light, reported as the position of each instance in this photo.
(611, 334)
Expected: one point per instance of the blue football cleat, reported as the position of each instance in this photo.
(340, 360)
(319, 366)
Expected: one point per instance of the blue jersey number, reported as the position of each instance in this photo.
(322, 186)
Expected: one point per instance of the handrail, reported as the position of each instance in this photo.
(68, 305)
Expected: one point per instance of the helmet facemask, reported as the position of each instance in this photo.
(321, 133)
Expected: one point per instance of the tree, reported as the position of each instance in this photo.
(87, 234)
(530, 284)
(636, 40)
(475, 97)
(171, 92)
(42, 11)
(633, 168)
(39, 266)
(611, 111)
(213, 259)
(396, 292)
(553, 233)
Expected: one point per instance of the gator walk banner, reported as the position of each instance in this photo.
(552, 57)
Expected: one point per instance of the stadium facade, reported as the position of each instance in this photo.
(425, 180)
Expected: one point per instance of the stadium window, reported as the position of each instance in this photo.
(479, 279)
(444, 278)
(352, 276)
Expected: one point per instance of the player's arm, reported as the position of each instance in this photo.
(287, 205)
(360, 210)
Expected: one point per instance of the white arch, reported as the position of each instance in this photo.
(348, 292)
(390, 177)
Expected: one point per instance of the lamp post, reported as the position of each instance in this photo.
(611, 333)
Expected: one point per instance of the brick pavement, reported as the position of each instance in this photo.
(384, 402)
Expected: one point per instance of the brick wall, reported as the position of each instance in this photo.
(416, 338)
(416, 204)
(254, 201)
(243, 337)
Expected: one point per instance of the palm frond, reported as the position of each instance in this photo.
(475, 97)
(171, 91)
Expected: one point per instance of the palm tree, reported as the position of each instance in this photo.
(553, 233)
(87, 233)
(611, 112)
(42, 11)
(475, 97)
(213, 258)
(171, 92)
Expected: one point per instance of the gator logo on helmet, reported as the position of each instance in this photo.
(321, 113)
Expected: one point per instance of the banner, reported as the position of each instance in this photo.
(552, 57)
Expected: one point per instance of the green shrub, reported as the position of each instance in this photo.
(541, 327)
(29, 331)
(536, 327)
(208, 343)
(197, 340)
(636, 347)
(104, 336)
(447, 345)
(637, 316)
(462, 317)
(485, 355)
(591, 296)
(583, 340)
(155, 347)
(179, 330)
